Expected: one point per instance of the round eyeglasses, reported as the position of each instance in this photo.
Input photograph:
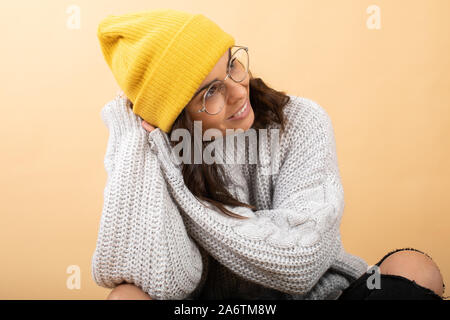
(237, 69)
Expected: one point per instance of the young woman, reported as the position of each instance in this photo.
(265, 230)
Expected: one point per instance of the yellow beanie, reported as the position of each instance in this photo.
(160, 57)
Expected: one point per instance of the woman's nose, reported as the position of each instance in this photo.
(236, 91)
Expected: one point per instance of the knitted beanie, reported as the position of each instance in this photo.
(160, 57)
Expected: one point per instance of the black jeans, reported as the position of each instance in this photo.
(392, 287)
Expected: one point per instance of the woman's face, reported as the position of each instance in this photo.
(238, 96)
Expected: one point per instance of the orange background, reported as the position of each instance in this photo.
(386, 91)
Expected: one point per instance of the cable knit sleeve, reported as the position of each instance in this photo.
(290, 246)
(142, 238)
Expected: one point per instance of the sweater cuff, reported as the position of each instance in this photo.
(350, 264)
(120, 118)
(161, 146)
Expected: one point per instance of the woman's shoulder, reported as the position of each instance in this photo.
(301, 109)
(307, 125)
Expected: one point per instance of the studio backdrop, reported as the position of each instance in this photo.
(380, 69)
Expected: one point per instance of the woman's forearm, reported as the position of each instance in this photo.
(290, 246)
(142, 238)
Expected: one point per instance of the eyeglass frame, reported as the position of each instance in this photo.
(203, 109)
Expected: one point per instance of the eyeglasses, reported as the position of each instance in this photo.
(237, 69)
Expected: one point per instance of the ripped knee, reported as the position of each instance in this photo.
(128, 291)
(415, 266)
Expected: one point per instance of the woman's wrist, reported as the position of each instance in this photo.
(120, 118)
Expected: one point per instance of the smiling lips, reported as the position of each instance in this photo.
(240, 112)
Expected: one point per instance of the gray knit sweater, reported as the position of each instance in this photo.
(155, 234)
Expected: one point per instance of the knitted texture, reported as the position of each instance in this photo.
(160, 57)
(155, 234)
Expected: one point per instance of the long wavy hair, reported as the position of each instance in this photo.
(209, 182)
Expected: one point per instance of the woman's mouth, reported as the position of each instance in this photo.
(242, 112)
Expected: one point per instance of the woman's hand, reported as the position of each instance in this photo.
(147, 126)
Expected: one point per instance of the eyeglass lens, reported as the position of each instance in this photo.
(216, 94)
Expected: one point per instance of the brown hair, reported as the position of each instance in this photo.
(209, 182)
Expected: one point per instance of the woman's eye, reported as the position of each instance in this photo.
(211, 91)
